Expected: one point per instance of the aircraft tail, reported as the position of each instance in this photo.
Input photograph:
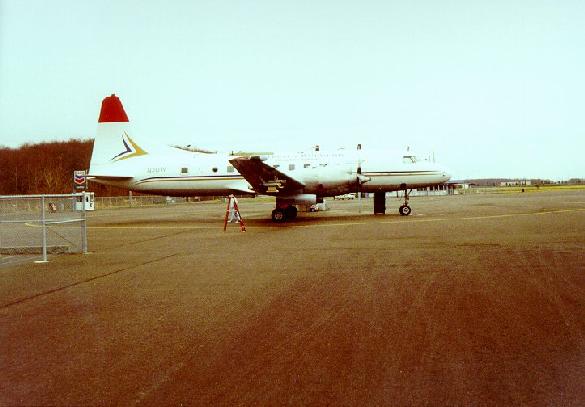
(112, 141)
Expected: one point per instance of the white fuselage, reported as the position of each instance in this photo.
(176, 172)
(335, 173)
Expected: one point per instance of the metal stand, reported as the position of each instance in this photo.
(237, 213)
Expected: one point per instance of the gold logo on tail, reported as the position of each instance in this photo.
(131, 149)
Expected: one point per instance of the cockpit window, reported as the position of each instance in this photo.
(409, 159)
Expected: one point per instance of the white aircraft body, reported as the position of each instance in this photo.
(294, 179)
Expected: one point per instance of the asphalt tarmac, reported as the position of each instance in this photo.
(471, 300)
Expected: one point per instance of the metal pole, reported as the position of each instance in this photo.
(44, 222)
(84, 227)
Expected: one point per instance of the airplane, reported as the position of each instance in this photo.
(303, 178)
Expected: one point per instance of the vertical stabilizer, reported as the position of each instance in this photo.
(112, 141)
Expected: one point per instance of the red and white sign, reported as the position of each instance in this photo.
(79, 179)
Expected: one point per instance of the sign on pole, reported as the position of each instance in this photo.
(79, 180)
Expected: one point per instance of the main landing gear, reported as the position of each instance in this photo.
(404, 209)
(282, 214)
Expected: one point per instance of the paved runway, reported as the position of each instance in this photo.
(471, 300)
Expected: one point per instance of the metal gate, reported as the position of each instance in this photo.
(43, 224)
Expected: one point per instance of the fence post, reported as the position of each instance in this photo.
(84, 226)
(44, 223)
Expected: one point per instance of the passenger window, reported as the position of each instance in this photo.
(291, 167)
(230, 169)
(214, 169)
(306, 165)
(276, 165)
(184, 170)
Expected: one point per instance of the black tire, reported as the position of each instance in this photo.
(405, 210)
(278, 215)
(290, 212)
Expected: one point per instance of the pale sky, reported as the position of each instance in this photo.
(494, 88)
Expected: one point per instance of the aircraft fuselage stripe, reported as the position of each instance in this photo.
(399, 173)
(193, 178)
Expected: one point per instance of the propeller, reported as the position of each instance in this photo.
(359, 180)
(358, 183)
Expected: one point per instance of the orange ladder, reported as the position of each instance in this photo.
(237, 213)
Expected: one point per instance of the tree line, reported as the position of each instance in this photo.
(47, 168)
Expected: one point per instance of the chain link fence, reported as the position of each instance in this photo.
(135, 201)
(43, 224)
(107, 202)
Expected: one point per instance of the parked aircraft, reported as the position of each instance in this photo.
(294, 179)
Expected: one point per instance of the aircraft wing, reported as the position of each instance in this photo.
(264, 178)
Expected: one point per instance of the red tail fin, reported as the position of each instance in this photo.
(112, 110)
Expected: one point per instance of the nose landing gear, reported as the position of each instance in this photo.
(404, 209)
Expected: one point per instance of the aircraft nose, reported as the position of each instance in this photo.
(445, 174)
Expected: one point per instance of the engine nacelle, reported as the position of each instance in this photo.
(298, 199)
(331, 180)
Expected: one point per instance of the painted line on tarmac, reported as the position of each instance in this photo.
(557, 211)
(324, 225)
(128, 227)
(507, 215)
(5, 260)
(15, 260)
(415, 221)
(154, 227)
